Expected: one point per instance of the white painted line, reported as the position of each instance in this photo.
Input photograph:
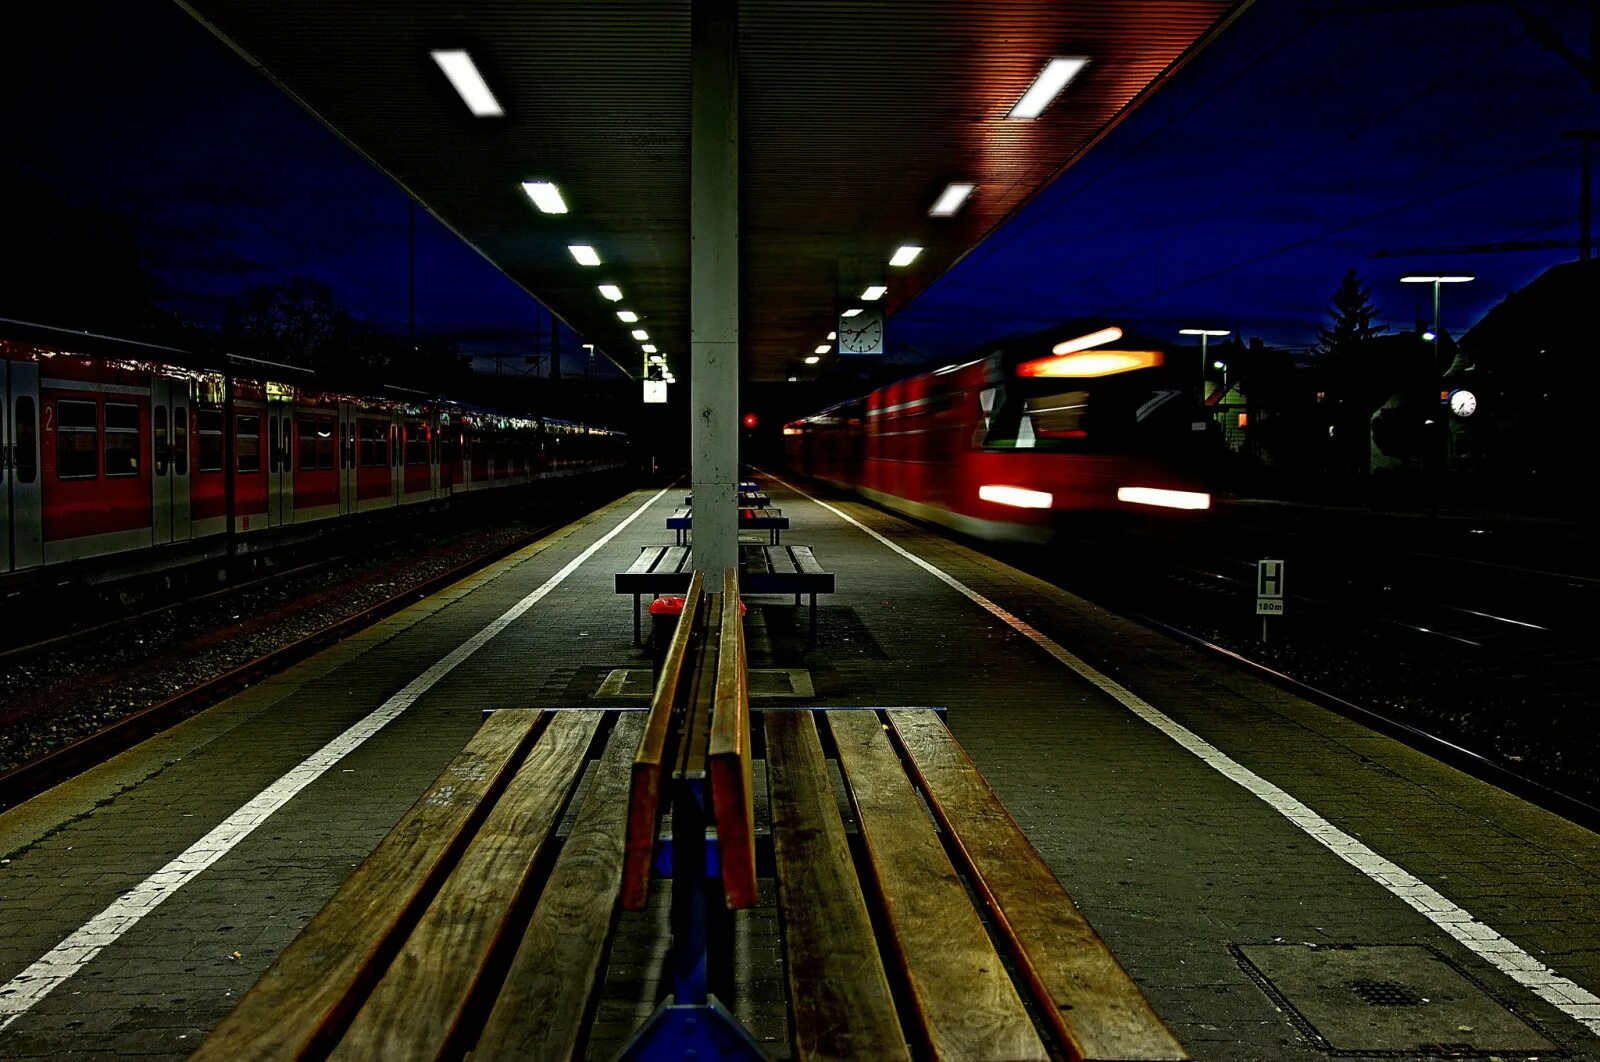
(27, 988)
(1575, 1001)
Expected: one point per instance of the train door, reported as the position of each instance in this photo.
(397, 458)
(280, 466)
(21, 508)
(169, 483)
(347, 458)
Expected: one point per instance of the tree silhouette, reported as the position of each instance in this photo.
(1352, 310)
(294, 321)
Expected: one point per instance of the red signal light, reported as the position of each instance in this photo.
(750, 420)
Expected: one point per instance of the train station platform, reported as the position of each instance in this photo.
(1280, 881)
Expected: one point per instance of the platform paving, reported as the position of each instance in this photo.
(1176, 865)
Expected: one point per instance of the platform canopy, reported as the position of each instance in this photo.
(856, 115)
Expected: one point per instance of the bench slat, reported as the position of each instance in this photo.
(649, 762)
(416, 1009)
(778, 559)
(840, 995)
(805, 561)
(959, 986)
(1086, 995)
(539, 1011)
(298, 1003)
(647, 560)
(732, 790)
(755, 560)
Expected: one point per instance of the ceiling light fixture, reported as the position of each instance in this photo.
(649, 348)
(584, 254)
(905, 255)
(468, 83)
(546, 196)
(611, 291)
(627, 316)
(851, 312)
(833, 335)
(1055, 76)
(639, 333)
(874, 293)
(951, 199)
(812, 360)
(823, 349)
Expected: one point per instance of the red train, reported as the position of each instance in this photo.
(123, 456)
(1007, 445)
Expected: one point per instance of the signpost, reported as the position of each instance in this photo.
(1269, 591)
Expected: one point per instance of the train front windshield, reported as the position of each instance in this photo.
(1134, 412)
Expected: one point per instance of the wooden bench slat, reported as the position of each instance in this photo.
(840, 995)
(805, 561)
(416, 1009)
(300, 1001)
(1086, 995)
(959, 986)
(644, 793)
(729, 753)
(676, 557)
(648, 558)
(779, 560)
(539, 1011)
(755, 560)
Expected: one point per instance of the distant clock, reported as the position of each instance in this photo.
(861, 334)
(1463, 403)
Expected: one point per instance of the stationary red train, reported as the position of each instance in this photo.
(122, 456)
(1017, 443)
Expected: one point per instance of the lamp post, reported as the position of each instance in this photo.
(1204, 334)
(1435, 281)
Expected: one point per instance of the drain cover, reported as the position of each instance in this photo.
(1389, 998)
(764, 682)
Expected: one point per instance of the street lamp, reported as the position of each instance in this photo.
(1433, 336)
(1204, 334)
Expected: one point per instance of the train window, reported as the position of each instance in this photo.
(208, 435)
(122, 447)
(373, 444)
(316, 443)
(180, 441)
(158, 418)
(26, 427)
(247, 442)
(416, 443)
(77, 440)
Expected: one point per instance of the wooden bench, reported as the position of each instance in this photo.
(772, 521)
(762, 570)
(473, 928)
(751, 499)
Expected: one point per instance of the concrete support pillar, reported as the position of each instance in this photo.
(714, 282)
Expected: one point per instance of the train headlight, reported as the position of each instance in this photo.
(1166, 499)
(1019, 497)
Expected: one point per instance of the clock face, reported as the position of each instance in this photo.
(861, 334)
(1463, 403)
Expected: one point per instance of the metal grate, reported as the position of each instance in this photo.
(1385, 993)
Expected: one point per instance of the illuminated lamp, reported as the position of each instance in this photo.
(1093, 339)
(1091, 363)
(750, 420)
(1017, 497)
(1165, 499)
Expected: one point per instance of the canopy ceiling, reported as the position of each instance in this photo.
(855, 115)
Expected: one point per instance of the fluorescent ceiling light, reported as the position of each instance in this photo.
(1093, 339)
(546, 196)
(656, 359)
(951, 199)
(1055, 76)
(851, 312)
(823, 349)
(833, 335)
(585, 255)
(639, 333)
(627, 316)
(463, 74)
(812, 360)
(874, 293)
(905, 255)
(1202, 331)
(612, 292)
(649, 348)
(1166, 499)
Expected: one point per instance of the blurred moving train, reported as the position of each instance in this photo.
(1015, 444)
(118, 457)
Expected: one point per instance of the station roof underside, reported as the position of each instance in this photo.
(855, 115)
